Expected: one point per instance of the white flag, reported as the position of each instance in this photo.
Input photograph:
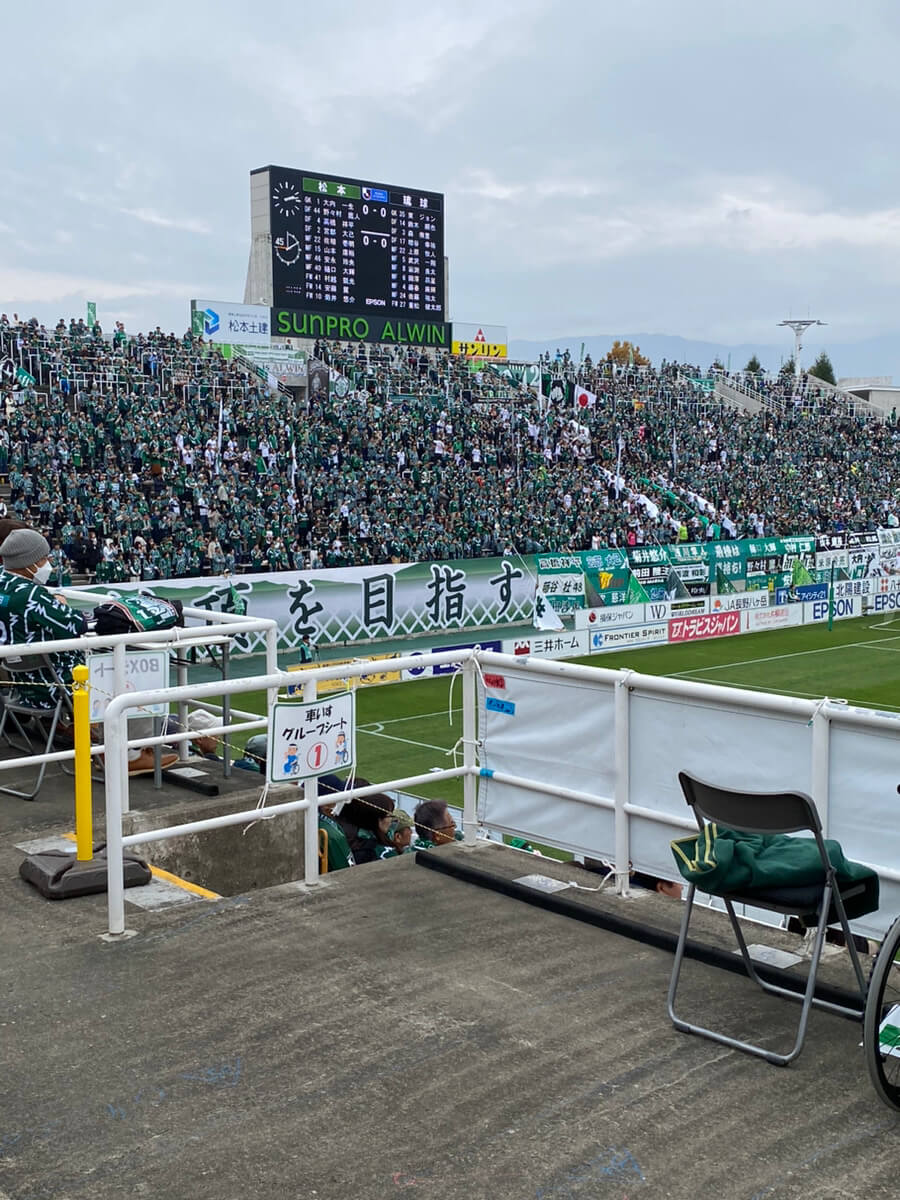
(620, 444)
(584, 398)
(545, 616)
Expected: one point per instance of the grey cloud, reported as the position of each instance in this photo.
(697, 168)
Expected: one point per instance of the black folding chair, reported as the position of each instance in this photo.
(34, 735)
(818, 905)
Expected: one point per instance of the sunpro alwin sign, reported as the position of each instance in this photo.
(290, 322)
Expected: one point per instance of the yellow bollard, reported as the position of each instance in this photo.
(81, 705)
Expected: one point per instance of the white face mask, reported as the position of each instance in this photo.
(42, 573)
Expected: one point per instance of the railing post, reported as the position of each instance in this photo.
(81, 709)
(470, 795)
(819, 766)
(272, 660)
(115, 737)
(622, 781)
(119, 669)
(311, 815)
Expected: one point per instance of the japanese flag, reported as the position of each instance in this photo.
(584, 398)
(545, 617)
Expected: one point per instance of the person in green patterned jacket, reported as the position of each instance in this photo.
(30, 612)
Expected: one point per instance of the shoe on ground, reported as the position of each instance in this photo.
(144, 762)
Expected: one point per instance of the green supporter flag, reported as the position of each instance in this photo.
(831, 600)
(91, 314)
(675, 589)
(800, 576)
(724, 586)
(636, 593)
(238, 602)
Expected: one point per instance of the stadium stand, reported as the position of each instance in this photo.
(113, 451)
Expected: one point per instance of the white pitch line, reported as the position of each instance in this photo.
(405, 741)
(417, 717)
(749, 662)
(756, 687)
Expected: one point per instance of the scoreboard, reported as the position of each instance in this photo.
(355, 247)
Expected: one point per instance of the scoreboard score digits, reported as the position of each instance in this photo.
(351, 246)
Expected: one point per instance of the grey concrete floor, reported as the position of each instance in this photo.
(393, 1031)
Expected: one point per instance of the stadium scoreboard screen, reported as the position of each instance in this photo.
(355, 247)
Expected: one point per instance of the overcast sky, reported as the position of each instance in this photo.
(702, 168)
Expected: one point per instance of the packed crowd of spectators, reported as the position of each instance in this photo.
(153, 457)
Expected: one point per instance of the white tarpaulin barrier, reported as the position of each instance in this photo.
(522, 735)
(616, 740)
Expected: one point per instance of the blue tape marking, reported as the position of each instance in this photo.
(493, 704)
(486, 773)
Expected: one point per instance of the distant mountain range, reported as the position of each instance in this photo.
(877, 356)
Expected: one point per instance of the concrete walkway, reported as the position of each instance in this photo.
(396, 1032)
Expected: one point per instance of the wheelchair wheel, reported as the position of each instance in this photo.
(881, 1023)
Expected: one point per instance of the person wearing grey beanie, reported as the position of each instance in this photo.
(30, 613)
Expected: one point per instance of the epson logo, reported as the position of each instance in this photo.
(376, 303)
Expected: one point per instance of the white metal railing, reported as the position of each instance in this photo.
(628, 797)
(116, 775)
(225, 627)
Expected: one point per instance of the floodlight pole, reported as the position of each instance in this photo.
(799, 328)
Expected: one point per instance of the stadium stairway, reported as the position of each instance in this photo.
(740, 396)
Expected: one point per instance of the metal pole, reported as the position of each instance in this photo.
(621, 786)
(470, 794)
(81, 706)
(226, 717)
(272, 659)
(119, 669)
(114, 738)
(819, 766)
(181, 674)
(311, 815)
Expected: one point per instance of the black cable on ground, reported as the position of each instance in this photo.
(556, 903)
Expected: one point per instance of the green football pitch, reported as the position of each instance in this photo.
(406, 729)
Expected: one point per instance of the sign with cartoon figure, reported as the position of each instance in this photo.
(314, 738)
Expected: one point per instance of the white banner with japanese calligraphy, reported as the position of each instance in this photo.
(362, 604)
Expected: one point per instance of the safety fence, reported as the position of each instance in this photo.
(124, 649)
(587, 759)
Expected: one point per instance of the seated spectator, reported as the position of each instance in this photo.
(206, 745)
(254, 756)
(401, 830)
(339, 853)
(365, 822)
(30, 613)
(434, 825)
